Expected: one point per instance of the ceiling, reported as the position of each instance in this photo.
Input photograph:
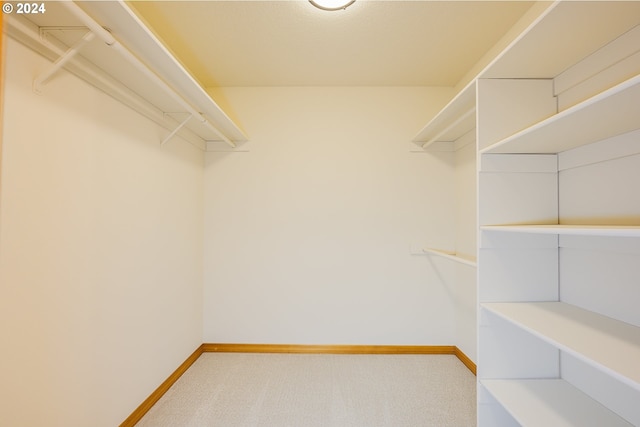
(291, 43)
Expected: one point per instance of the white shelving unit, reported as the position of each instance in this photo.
(556, 118)
(552, 349)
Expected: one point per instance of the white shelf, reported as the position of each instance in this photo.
(565, 33)
(608, 344)
(136, 70)
(607, 114)
(451, 256)
(584, 230)
(455, 120)
(551, 402)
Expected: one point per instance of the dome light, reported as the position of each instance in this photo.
(332, 4)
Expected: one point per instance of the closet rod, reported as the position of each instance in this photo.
(105, 36)
(450, 255)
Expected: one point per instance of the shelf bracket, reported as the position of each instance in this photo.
(59, 63)
(180, 126)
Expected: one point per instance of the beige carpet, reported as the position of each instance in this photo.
(302, 390)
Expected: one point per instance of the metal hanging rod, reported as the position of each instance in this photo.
(450, 255)
(98, 31)
(44, 30)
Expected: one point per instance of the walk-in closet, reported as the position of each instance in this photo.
(183, 181)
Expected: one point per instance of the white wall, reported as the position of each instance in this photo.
(100, 253)
(598, 184)
(465, 301)
(308, 235)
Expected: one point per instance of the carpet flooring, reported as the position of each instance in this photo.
(312, 390)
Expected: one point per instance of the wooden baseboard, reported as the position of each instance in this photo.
(340, 349)
(465, 360)
(137, 415)
(290, 348)
(327, 349)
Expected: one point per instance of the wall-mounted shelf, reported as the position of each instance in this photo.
(451, 256)
(132, 66)
(605, 343)
(585, 230)
(551, 402)
(579, 125)
(455, 120)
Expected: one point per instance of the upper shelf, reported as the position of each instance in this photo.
(610, 113)
(136, 69)
(455, 120)
(564, 34)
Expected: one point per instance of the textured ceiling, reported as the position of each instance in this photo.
(291, 43)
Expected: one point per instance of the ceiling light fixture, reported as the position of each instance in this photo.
(332, 4)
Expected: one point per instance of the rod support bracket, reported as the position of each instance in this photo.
(180, 126)
(42, 79)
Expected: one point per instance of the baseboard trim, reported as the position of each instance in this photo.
(153, 398)
(327, 349)
(465, 360)
(340, 349)
(141, 410)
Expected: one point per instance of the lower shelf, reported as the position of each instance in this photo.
(550, 402)
(605, 343)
